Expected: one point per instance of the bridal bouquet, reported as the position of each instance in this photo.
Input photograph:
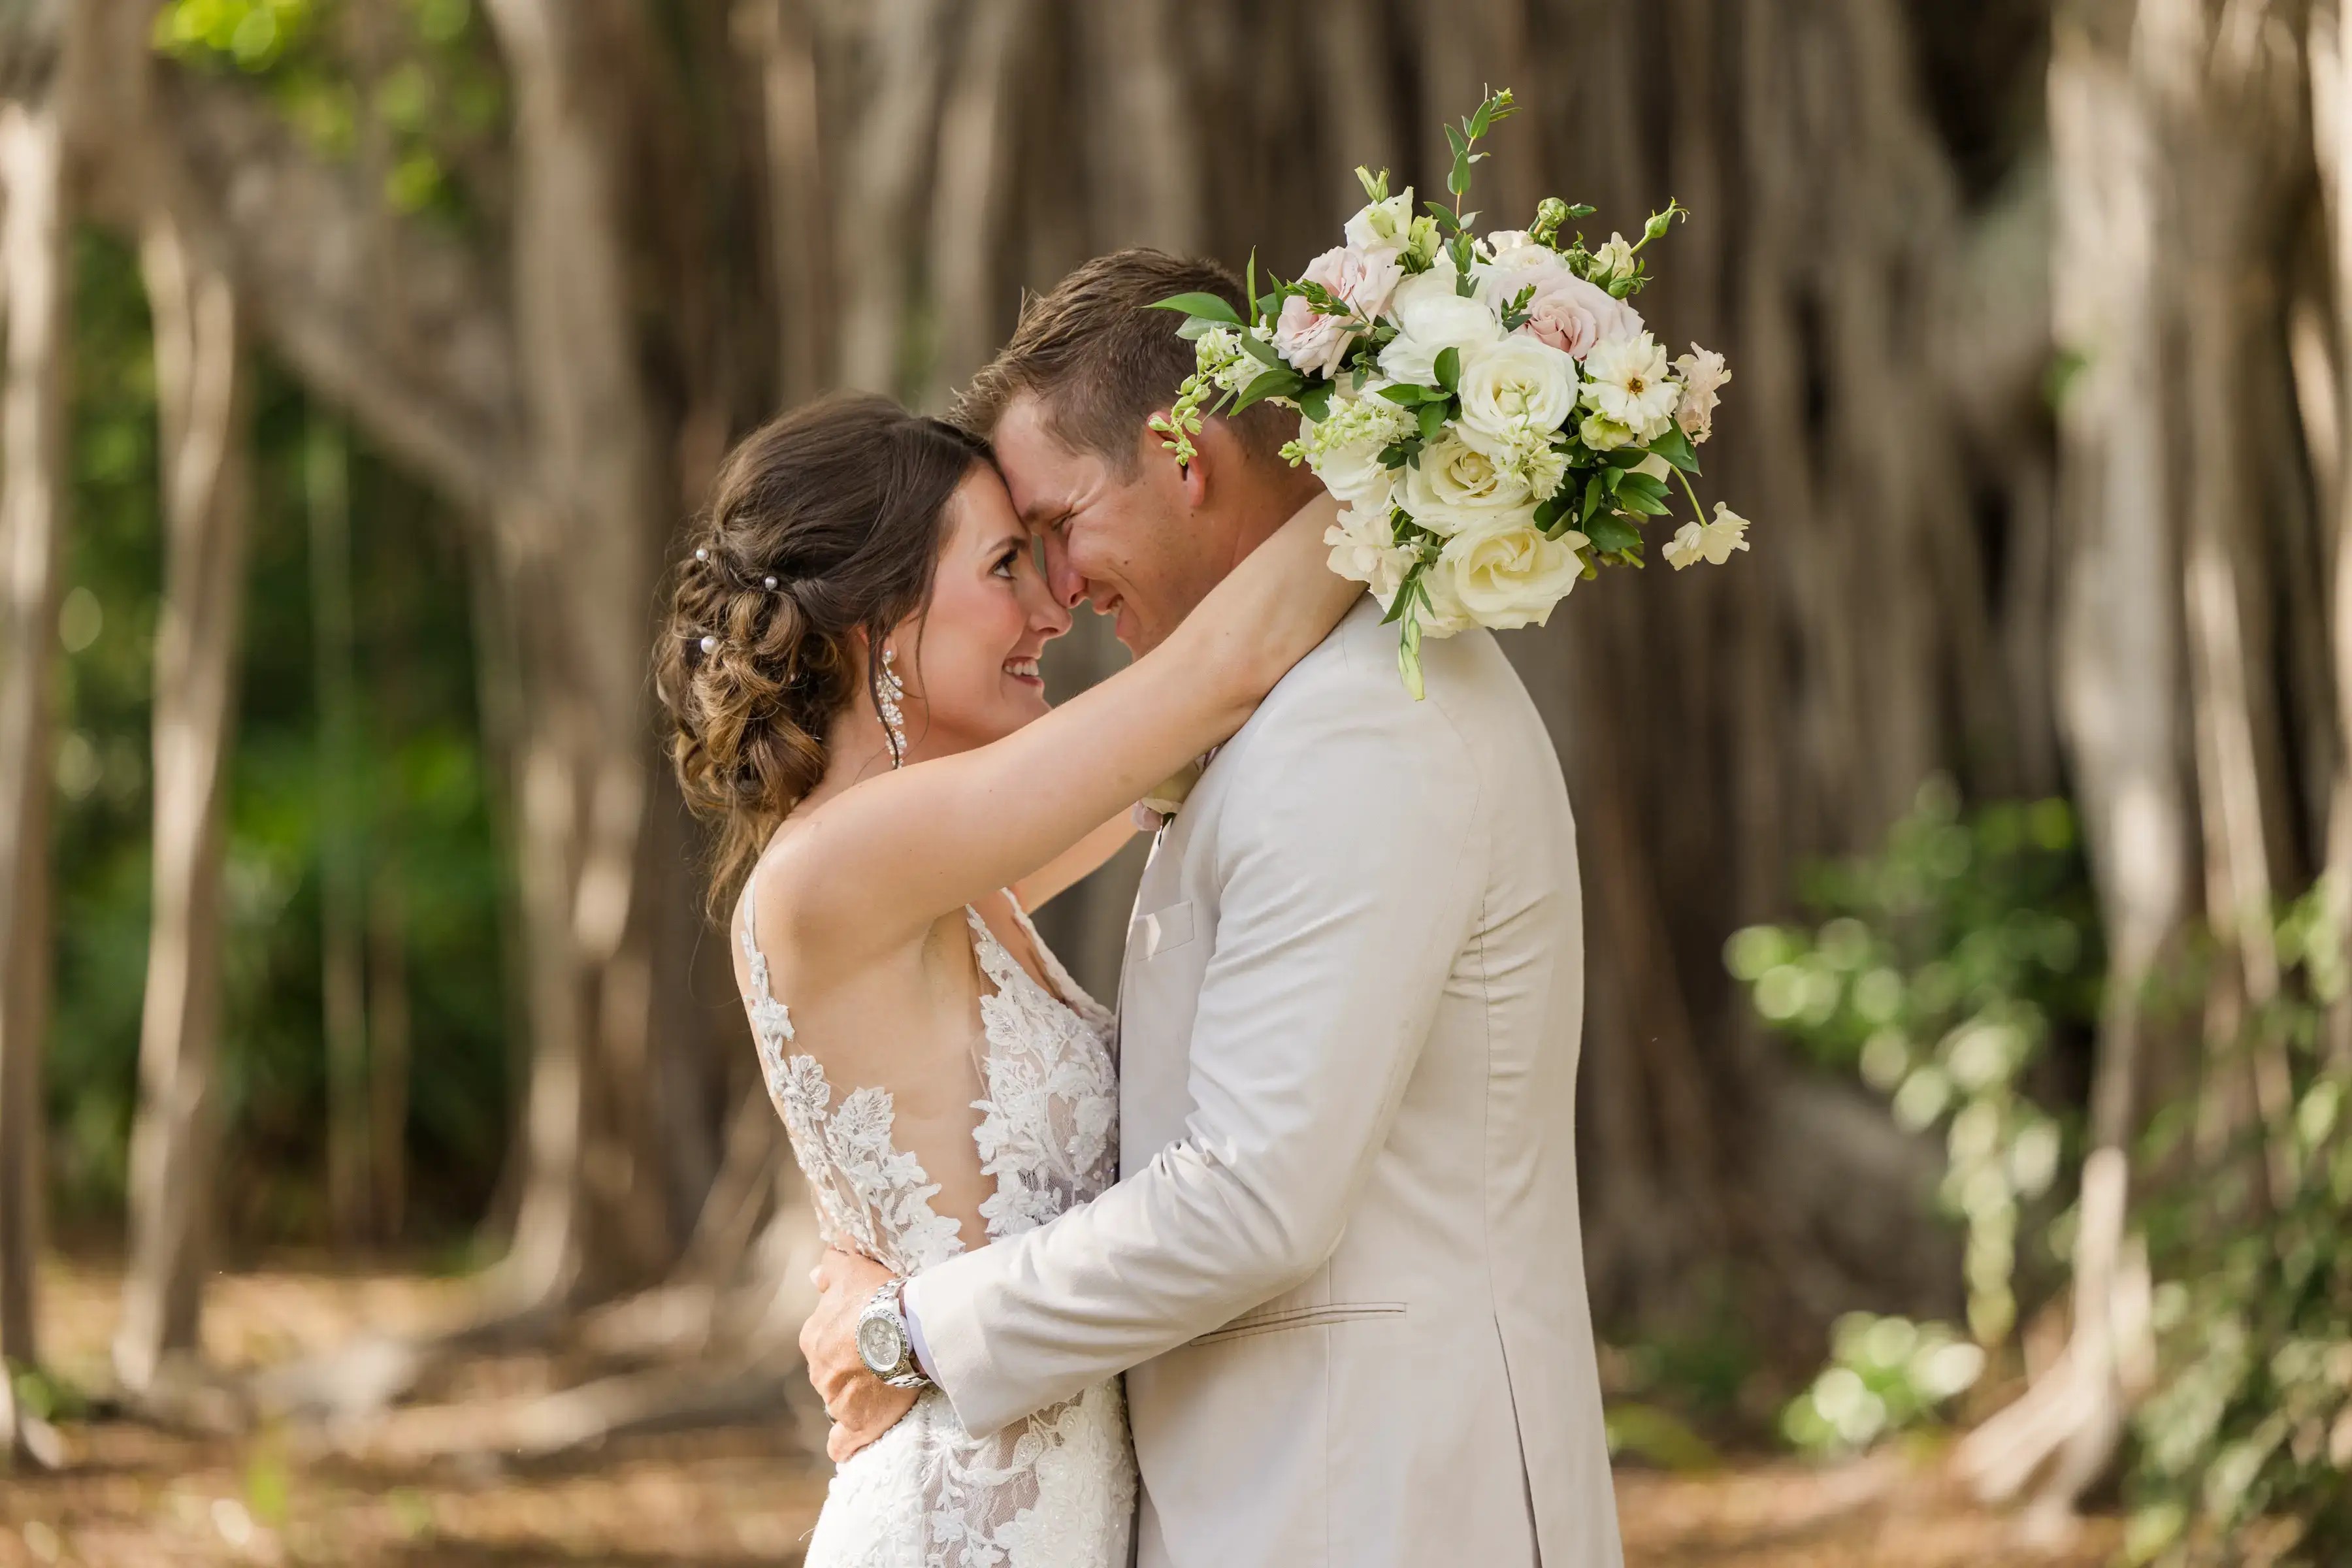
(1495, 416)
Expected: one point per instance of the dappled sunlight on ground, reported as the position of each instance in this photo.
(133, 1497)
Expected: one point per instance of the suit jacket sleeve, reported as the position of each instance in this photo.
(1348, 882)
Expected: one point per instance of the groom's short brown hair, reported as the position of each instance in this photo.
(1101, 360)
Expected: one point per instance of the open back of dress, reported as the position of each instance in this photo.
(1056, 1489)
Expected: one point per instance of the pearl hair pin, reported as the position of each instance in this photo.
(701, 552)
(709, 646)
(769, 583)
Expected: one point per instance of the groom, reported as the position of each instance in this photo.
(1342, 1271)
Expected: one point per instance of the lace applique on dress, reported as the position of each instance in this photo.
(870, 1196)
(1056, 1489)
(1048, 1127)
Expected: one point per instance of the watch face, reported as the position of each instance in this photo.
(879, 1343)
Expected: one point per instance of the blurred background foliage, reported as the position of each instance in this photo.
(425, 809)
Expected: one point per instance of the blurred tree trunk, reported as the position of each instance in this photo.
(388, 1053)
(579, 546)
(2118, 677)
(780, 38)
(897, 56)
(39, 82)
(200, 398)
(971, 196)
(2329, 418)
(342, 851)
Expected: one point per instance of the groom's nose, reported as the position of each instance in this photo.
(1066, 582)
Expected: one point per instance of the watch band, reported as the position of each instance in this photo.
(885, 1304)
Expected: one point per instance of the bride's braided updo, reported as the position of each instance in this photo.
(823, 524)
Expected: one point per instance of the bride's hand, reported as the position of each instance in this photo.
(1276, 605)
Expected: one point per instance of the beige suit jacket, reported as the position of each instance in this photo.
(1342, 1271)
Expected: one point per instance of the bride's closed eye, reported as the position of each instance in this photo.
(1003, 567)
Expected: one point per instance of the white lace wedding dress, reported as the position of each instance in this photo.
(1056, 1489)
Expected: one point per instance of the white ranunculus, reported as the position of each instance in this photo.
(1508, 574)
(1703, 374)
(1457, 487)
(1628, 382)
(1364, 549)
(1431, 318)
(1514, 394)
(1383, 226)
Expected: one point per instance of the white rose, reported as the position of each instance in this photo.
(1514, 261)
(1457, 487)
(1356, 475)
(1508, 574)
(1431, 318)
(1364, 549)
(1514, 393)
(1445, 614)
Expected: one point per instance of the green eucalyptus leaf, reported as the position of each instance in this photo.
(1282, 383)
(1259, 349)
(1207, 305)
(1449, 368)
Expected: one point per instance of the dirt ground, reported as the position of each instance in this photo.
(133, 1497)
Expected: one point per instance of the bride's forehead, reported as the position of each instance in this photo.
(980, 510)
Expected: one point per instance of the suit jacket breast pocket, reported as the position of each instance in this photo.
(1164, 928)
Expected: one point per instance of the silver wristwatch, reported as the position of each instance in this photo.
(883, 1343)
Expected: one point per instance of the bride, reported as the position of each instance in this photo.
(851, 668)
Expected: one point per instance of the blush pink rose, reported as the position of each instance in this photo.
(1314, 344)
(1574, 316)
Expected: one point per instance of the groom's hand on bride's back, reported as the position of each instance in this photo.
(860, 1404)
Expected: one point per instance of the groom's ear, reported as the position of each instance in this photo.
(1209, 452)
